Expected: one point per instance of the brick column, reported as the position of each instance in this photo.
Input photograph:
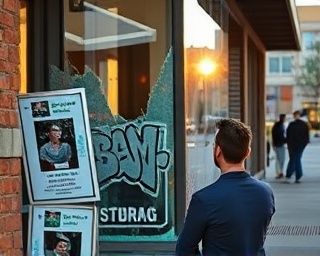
(10, 143)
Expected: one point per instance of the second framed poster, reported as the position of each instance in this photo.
(62, 230)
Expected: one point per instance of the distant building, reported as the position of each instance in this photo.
(282, 94)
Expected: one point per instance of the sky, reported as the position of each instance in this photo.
(199, 26)
(307, 2)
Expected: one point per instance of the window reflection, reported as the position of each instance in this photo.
(123, 44)
(206, 86)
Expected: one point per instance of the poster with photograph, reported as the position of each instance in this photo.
(58, 153)
(64, 230)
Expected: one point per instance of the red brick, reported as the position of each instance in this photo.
(4, 82)
(4, 118)
(10, 5)
(13, 119)
(2, 188)
(5, 186)
(5, 66)
(16, 185)
(5, 205)
(17, 252)
(15, 166)
(3, 52)
(13, 222)
(10, 185)
(7, 19)
(17, 23)
(11, 36)
(9, 118)
(6, 241)
(5, 100)
(2, 222)
(14, 101)
(14, 55)
(15, 82)
(4, 166)
(8, 67)
(17, 239)
(1, 35)
(16, 204)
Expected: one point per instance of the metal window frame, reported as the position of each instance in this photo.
(45, 37)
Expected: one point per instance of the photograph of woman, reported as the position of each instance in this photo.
(58, 150)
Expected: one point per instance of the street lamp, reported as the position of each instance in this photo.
(206, 67)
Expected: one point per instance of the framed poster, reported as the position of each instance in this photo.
(58, 152)
(62, 230)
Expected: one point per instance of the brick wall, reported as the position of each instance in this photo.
(10, 160)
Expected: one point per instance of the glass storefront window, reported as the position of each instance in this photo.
(127, 45)
(206, 86)
(122, 42)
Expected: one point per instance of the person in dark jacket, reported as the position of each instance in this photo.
(297, 139)
(230, 216)
(278, 133)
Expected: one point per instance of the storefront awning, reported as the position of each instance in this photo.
(274, 21)
(96, 29)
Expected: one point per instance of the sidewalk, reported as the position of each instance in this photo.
(295, 227)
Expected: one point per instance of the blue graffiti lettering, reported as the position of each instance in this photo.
(132, 154)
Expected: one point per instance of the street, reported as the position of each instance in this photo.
(295, 227)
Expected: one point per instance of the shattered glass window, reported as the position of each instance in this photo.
(120, 52)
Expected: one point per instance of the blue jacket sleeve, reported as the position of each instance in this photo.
(194, 227)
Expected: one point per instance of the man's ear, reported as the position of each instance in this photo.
(248, 153)
(217, 150)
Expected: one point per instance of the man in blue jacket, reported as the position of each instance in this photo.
(297, 139)
(230, 216)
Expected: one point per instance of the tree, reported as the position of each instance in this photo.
(308, 77)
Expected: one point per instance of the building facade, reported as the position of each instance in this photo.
(142, 57)
(282, 68)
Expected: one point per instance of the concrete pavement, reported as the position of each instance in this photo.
(295, 227)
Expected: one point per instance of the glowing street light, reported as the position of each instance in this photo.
(207, 66)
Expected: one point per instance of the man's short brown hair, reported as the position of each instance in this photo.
(234, 139)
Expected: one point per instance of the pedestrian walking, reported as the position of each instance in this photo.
(230, 216)
(278, 133)
(297, 139)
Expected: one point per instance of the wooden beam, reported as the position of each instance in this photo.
(245, 24)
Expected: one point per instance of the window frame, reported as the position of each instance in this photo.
(281, 71)
(45, 42)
